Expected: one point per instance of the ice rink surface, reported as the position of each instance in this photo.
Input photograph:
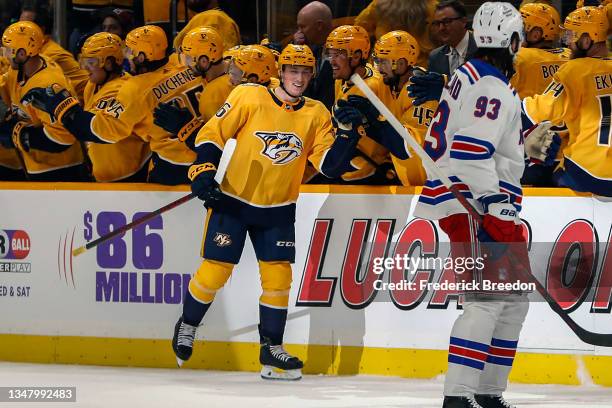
(145, 387)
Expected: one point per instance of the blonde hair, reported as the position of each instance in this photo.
(407, 15)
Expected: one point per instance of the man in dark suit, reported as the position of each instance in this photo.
(314, 23)
(450, 22)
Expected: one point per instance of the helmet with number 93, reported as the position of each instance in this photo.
(498, 25)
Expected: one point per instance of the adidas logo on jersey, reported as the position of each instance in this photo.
(280, 147)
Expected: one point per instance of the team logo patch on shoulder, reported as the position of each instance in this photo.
(280, 147)
(222, 240)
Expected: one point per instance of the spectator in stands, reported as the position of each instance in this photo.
(314, 23)
(116, 21)
(52, 50)
(450, 22)
(413, 16)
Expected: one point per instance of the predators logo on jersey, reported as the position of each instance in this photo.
(110, 106)
(280, 147)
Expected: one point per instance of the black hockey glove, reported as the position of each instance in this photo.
(203, 183)
(425, 87)
(171, 118)
(54, 100)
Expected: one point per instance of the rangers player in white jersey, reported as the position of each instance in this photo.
(475, 138)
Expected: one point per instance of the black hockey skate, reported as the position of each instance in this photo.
(277, 363)
(460, 402)
(492, 401)
(182, 342)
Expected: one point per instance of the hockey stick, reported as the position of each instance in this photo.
(228, 152)
(597, 339)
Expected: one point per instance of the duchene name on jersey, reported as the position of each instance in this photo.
(169, 84)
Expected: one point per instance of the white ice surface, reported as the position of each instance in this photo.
(144, 387)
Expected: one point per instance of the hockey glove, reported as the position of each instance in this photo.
(203, 183)
(542, 144)
(366, 108)
(498, 224)
(54, 100)
(176, 120)
(425, 87)
(346, 116)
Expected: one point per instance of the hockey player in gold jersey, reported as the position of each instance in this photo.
(277, 131)
(41, 16)
(538, 60)
(113, 157)
(202, 51)
(49, 152)
(347, 48)
(155, 81)
(395, 55)
(581, 96)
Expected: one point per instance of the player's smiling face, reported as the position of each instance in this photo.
(296, 78)
(340, 63)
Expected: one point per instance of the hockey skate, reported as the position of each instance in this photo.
(278, 364)
(492, 401)
(182, 342)
(460, 402)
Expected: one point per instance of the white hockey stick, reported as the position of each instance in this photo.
(598, 339)
(226, 157)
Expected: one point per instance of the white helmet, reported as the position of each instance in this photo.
(494, 25)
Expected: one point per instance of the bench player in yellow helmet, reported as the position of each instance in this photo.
(155, 81)
(202, 51)
(539, 59)
(49, 152)
(255, 64)
(396, 54)
(347, 48)
(114, 157)
(276, 130)
(581, 96)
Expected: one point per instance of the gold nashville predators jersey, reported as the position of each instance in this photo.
(274, 141)
(135, 102)
(8, 157)
(581, 95)
(72, 70)
(214, 94)
(374, 151)
(217, 19)
(416, 119)
(38, 161)
(534, 69)
(120, 158)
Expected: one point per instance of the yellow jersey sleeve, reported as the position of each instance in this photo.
(228, 120)
(323, 139)
(125, 114)
(212, 97)
(555, 103)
